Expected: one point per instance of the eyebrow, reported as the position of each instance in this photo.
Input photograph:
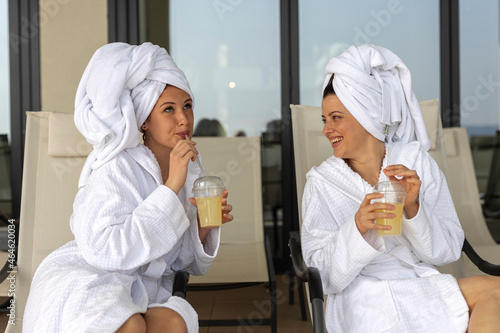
(173, 103)
(332, 113)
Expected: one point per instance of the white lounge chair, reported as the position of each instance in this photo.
(54, 155)
(244, 257)
(464, 190)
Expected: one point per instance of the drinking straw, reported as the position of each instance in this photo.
(198, 161)
(388, 160)
(201, 166)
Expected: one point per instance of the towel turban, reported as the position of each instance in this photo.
(116, 94)
(375, 86)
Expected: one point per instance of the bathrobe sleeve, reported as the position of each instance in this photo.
(119, 224)
(330, 239)
(435, 232)
(195, 257)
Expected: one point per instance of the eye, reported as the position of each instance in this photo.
(188, 106)
(335, 117)
(169, 109)
(323, 120)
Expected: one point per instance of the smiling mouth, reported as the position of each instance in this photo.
(335, 140)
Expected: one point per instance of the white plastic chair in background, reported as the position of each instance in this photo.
(244, 257)
(464, 190)
(54, 156)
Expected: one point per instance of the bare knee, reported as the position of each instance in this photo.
(135, 324)
(164, 320)
(480, 289)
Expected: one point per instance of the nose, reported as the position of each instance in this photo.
(327, 128)
(181, 118)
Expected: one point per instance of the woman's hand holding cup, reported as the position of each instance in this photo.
(411, 182)
(210, 197)
(368, 212)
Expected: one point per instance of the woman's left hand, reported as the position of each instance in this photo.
(226, 217)
(411, 183)
(226, 209)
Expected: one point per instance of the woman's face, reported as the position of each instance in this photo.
(170, 120)
(347, 137)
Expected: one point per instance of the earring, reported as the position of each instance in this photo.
(144, 127)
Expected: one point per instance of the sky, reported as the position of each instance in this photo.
(234, 65)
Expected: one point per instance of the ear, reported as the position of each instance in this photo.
(144, 126)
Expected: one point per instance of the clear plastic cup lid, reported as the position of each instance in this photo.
(388, 186)
(208, 186)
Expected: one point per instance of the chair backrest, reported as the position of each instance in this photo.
(492, 193)
(482, 147)
(433, 124)
(54, 155)
(463, 185)
(237, 162)
(311, 148)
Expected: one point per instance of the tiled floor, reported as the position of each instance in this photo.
(249, 304)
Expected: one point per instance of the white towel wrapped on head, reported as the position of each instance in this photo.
(118, 90)
(375, 86)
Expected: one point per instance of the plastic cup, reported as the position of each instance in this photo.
(207, 191)
(394, 194)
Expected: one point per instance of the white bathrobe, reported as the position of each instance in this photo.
(384, 284)
(131, 234)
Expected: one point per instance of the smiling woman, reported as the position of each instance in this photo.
(370, 110)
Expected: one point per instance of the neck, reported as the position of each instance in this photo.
(368, 166)
(163, 158)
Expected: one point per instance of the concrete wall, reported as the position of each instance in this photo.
(70, 33)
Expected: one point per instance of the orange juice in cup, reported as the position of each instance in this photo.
(394, 194)
(208, 191)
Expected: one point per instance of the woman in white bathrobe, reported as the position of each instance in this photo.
(133, 219)
(374, 283)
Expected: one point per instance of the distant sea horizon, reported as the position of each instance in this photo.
(481, 130)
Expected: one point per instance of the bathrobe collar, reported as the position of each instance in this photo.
(337, 173)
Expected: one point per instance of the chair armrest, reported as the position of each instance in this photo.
(306, 274)
(298, 263)
(490, 213)
(181, 279)
(310, 275)
(482, 264)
